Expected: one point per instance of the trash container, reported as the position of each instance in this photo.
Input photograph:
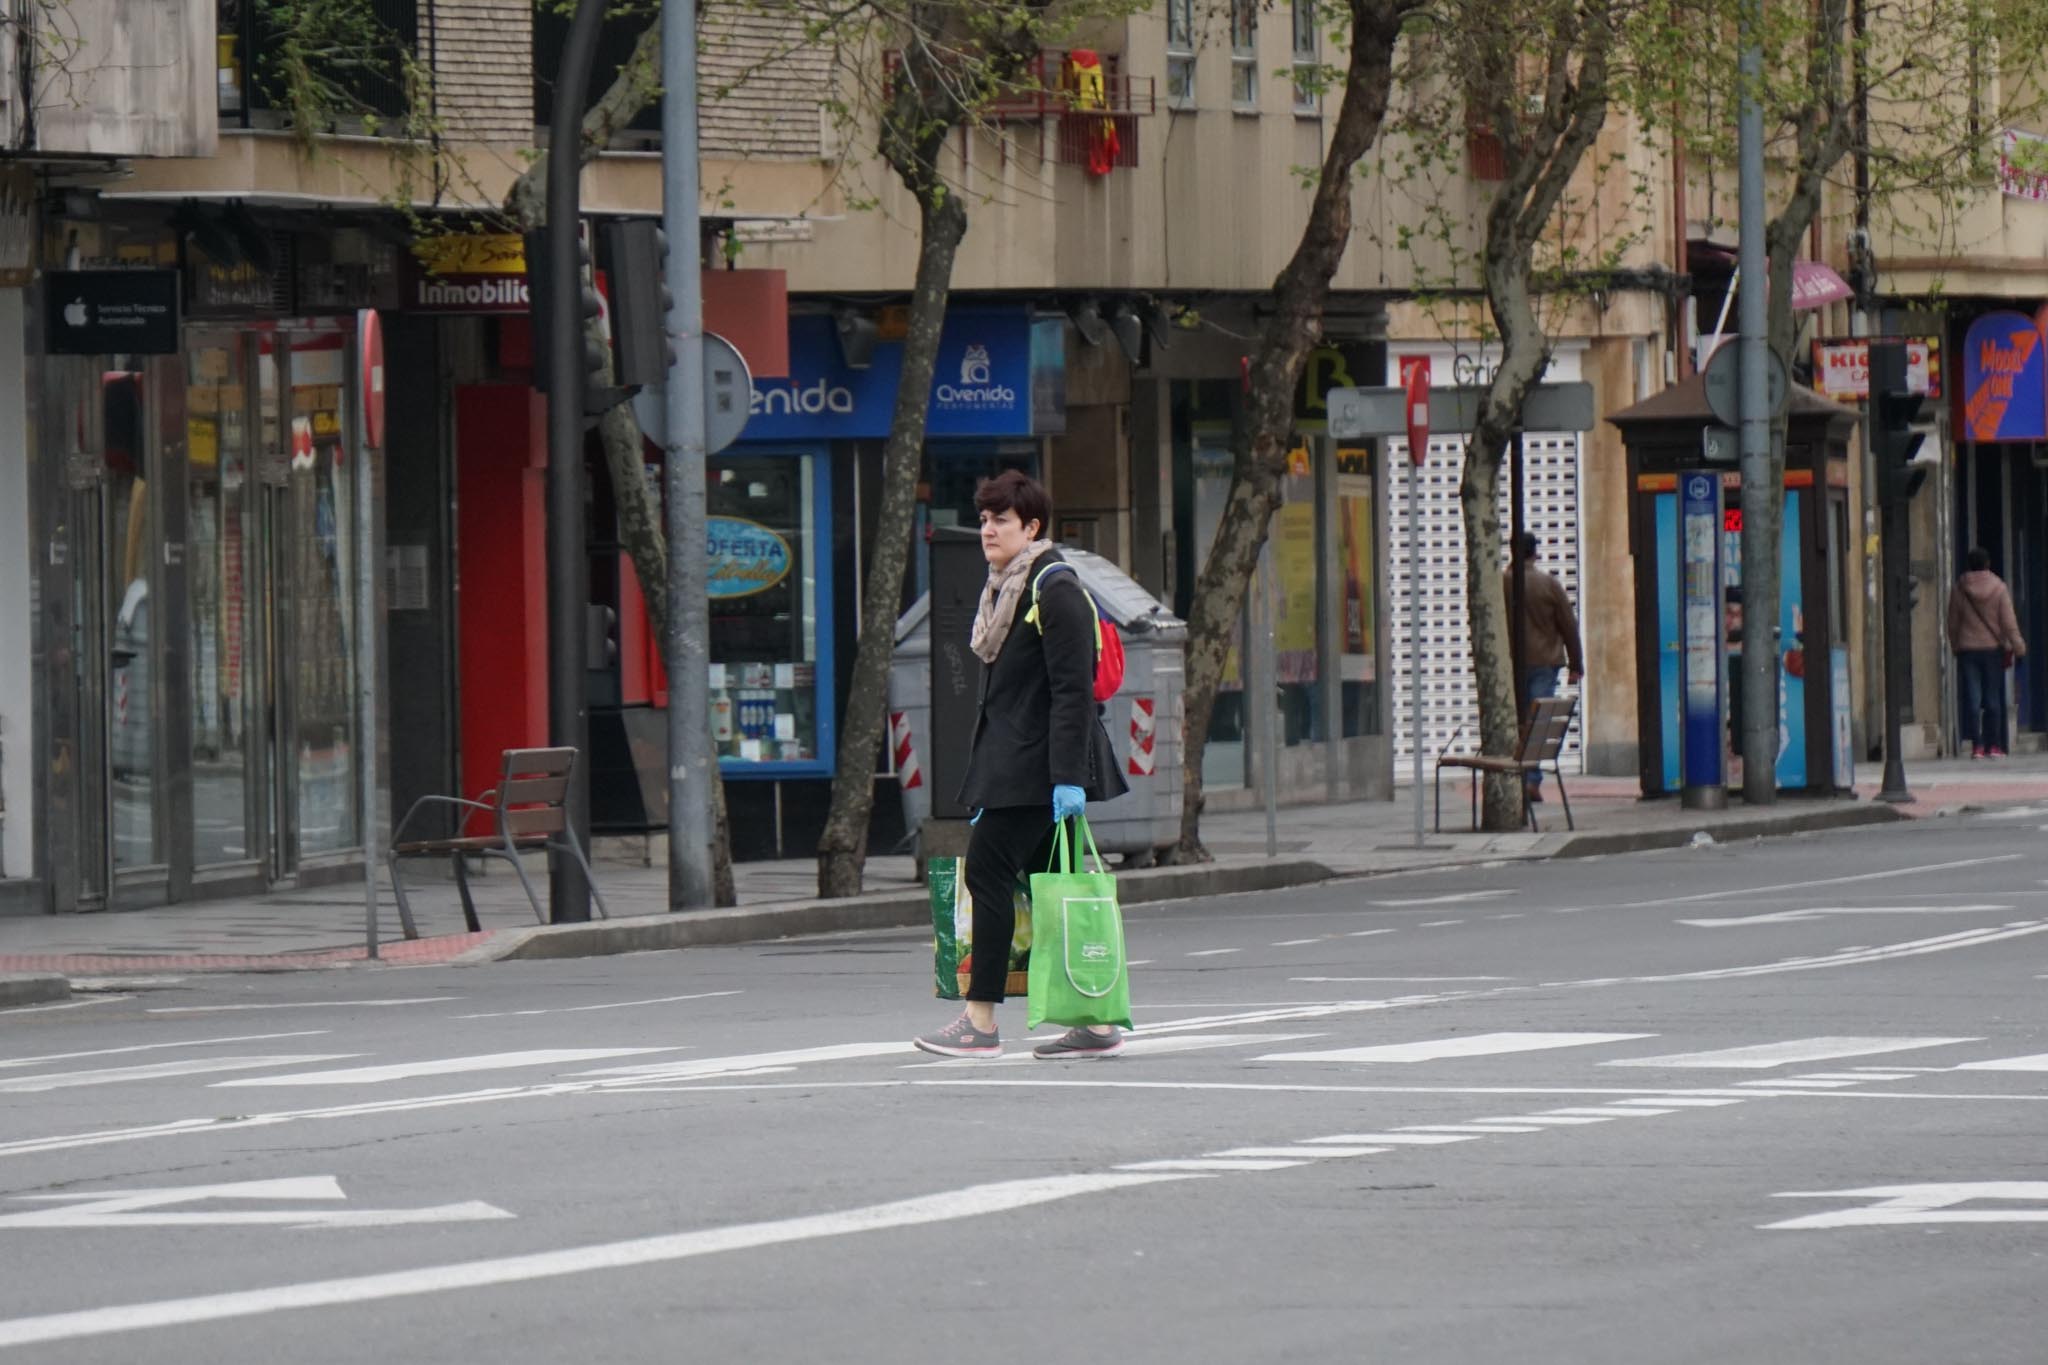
(1143, 718)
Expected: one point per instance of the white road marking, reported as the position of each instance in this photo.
(613, 1005)
(1512, 915)
(1942, 943)
(2037, 1062)
(12, 1062)
(710, 1066)
(1472, 1045)
(446, 1066)
(1369, 933)
(1816, 912)
(1550, 1120)
(1681, 1101)
(1921, 1204)
(302, 1005)
(1421, 980)
(1214, 952)
(1141, 962)
(1294, 942)
(1456, 898)
(67, 1005)
(1209, 1165)
(1791, 1084)
(1138, 1043)
(1605, 1112)
(1397, 1139)
(1307, 1153)
(1474, 1128)
(146, 1208)
(1751, 891)
(1854, 1077)
(156, 1071)
(1762, 1056)
(973, 1202)
(1439, 923)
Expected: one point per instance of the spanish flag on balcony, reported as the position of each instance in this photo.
(1085, 77)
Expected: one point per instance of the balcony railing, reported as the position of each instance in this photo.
(1048, 87)
(360, 62)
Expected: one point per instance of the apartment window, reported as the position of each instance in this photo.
(1180, 53)
(1308, 98)
(1244, 54)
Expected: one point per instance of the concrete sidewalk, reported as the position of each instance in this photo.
(325, 928)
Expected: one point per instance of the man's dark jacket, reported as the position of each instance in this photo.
(1038, 725)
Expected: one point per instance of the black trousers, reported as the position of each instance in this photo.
(1007, 841)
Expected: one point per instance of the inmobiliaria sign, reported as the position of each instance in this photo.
(468, 273)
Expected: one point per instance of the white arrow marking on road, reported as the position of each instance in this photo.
(13, 1062)
(755, 1061)
(1920, 1204)
(2037, 1062)
(1815, 912)
(973, 1202)
(1455, 899)
(191, 1066)
(1475, 1045)
(145, 1208)
(489, 1061)
(1752, 891)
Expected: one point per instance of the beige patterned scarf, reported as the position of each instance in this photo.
(999, 602)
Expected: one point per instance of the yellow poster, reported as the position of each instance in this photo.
(1294, 571)
(1355, 560)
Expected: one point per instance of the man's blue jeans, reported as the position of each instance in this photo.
(1980, 681)
(1537, 684)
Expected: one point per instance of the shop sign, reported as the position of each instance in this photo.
(1841, 367)
(476, 272)
(107, 312)
(1338, 365)
(2005, 385)
(745, 557)
(220, 287)
(983, 384)
(2023, 166)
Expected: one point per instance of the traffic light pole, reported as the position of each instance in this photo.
(1895, 528)
(568, 564)
(687, 651)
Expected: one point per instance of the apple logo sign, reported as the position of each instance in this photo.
(75, 314)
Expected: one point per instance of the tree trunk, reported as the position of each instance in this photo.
(942, 223)
(1299, 295)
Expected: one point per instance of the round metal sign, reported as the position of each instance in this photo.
(1724, 383)
(728, 398)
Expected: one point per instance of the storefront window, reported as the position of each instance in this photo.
(131, 613)
(1295, 619)
(1223, 758)
(218, 580)
(322, 556)
(769, 583)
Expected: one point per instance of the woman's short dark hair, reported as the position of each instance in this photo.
(1979, 559)
(1013, 491)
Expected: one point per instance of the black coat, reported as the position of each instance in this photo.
(1039, 726)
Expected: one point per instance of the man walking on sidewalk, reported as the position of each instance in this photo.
(1549, 633)
(1984, 632)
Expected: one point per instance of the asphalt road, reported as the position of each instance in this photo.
(1767, 1103)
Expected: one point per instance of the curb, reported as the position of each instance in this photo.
(1728, 830)
(32, 988)
(888, 910)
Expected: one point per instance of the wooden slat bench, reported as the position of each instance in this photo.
(527, 810)
(1550, 719)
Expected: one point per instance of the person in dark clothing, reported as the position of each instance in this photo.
(1039, 751)
(1984, 632)
(1549, 631)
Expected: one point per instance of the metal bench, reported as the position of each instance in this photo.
(527, 811)
(1550, 719)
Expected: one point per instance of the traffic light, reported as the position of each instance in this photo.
(598, 394)
(1894, 407)
(636, 255)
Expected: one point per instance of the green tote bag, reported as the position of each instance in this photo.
(1078, 974)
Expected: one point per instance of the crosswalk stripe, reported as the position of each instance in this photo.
(1761, 1056)
(1487, 1126)
(445, 1066)
(1608, 1111)
(154, 1071)
(1473, 1045)
(1312, 1152)
(1679, 1101)
(686, 1068)
(1552, 1120)
(1396, 1139)
(1148, 1045)
(2037, 1062)
(1210, 1163)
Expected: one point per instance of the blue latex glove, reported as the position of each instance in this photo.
(1068, 801)
(976, 818)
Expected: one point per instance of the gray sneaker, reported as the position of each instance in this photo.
(1077, 1044)
(961, 1039)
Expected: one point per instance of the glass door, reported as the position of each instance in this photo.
(115, 543)
(221, 648)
